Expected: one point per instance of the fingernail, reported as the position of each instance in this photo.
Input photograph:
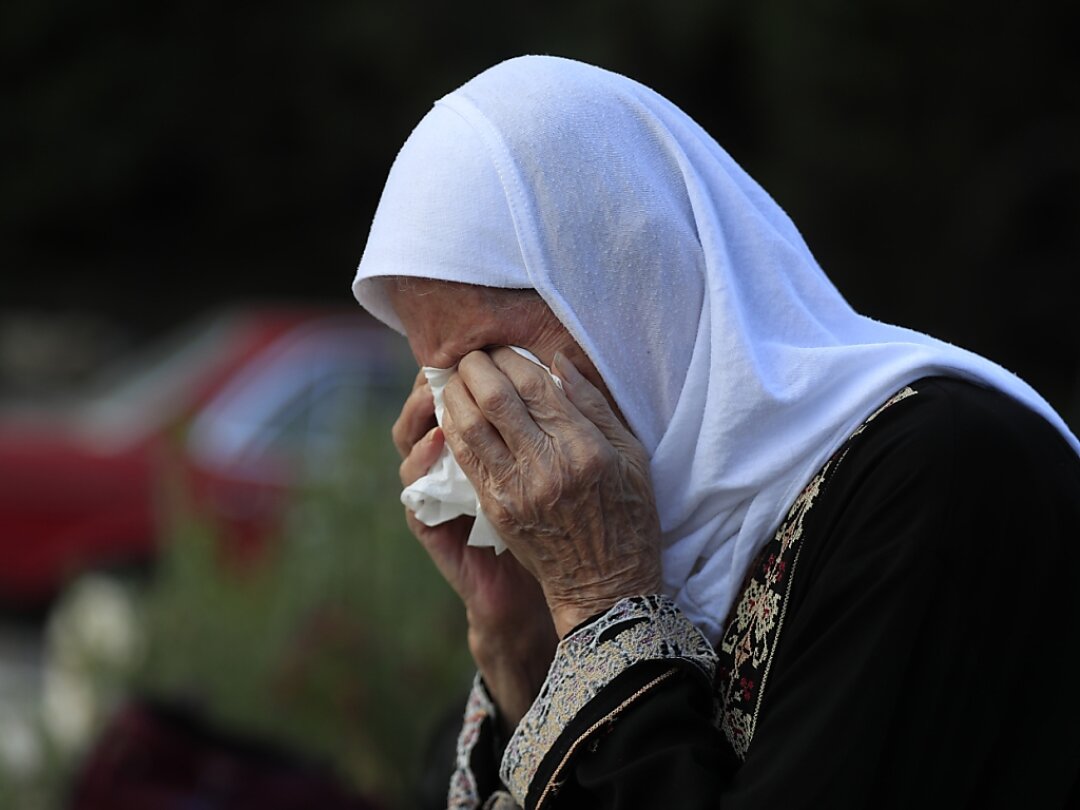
(562, 365)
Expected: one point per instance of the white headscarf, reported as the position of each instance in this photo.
(735, 360)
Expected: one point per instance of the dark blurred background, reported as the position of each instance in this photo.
(160, 158)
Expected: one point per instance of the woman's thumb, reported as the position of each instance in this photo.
(588, 399)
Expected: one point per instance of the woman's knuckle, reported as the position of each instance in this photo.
(591, 466)
(595, 458)
(533, 387)
(494, 401)
(549, 489)
(403, 447)
(471, 429)
(501, 504)
(472, 360)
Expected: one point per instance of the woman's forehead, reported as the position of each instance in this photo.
(443, 320)
(416, 293)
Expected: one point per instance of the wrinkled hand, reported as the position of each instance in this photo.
(511, 635)
(561, 479)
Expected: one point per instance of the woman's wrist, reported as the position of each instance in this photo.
(573, 616)
(570, 613)
(513, 672)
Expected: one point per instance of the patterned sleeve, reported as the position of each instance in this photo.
(473, 784)
(634, 631)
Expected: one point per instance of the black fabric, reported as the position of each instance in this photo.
(931, 651)
(487, 754)
(670, 736)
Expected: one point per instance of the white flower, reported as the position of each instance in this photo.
(92, 634)
(20, 747)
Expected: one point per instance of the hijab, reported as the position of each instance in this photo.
(736, 362)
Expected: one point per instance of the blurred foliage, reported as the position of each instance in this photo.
(340, 642)
(93, 647)
(210, 151)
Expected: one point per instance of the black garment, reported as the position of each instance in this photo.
(930, 651)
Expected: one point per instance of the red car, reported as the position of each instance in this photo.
(236, 406)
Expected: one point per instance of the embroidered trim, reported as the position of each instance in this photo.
(753, 631)
(464, 793)
(553, 783)
(637, 629)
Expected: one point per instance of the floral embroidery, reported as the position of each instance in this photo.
(641, 628)
(749, 642)
(648, 628)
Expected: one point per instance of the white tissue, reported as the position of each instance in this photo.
(445, 493)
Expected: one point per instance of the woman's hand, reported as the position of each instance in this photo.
(561, 479)
(511, 636)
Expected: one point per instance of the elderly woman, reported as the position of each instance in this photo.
(763, 551)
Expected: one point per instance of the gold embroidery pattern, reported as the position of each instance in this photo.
(637, 629)
(753, 631)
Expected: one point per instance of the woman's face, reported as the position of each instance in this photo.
(446, 320)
